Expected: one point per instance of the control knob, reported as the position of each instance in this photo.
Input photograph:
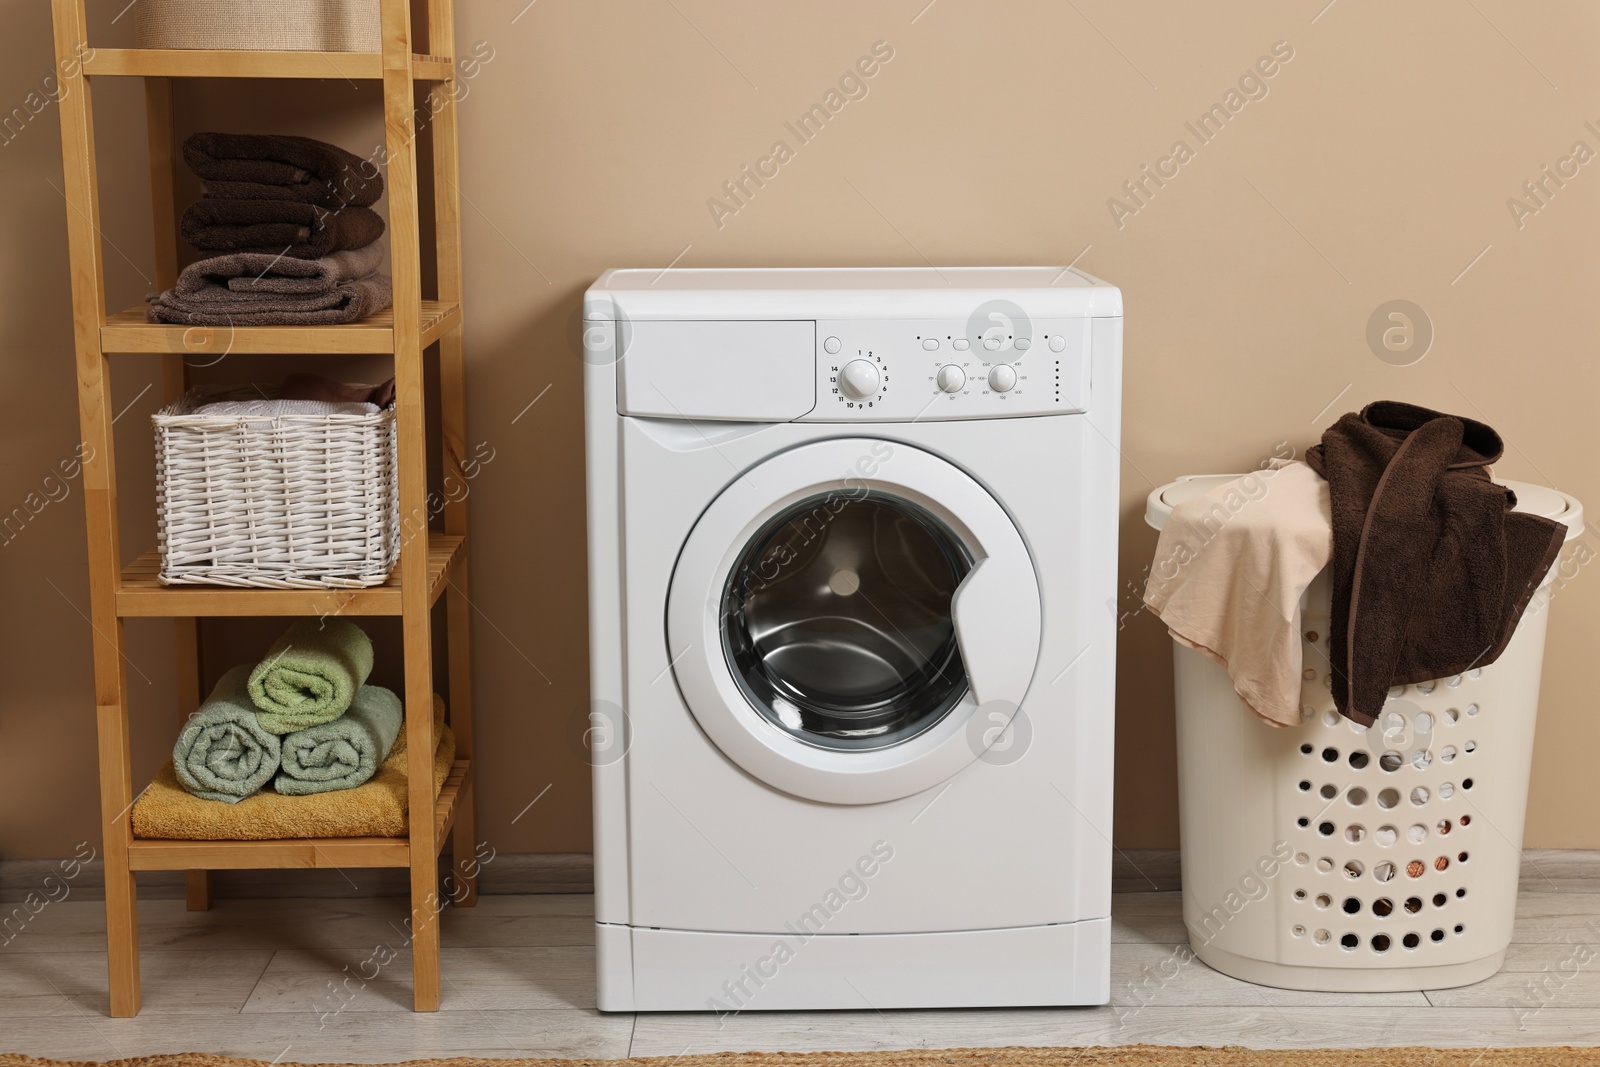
(859, 379)
(951, 378)
(1002, 377)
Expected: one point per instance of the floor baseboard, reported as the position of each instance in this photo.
(1134, 870)
(1145, 870)
(527, 872)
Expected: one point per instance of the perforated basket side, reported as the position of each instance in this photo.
(1330, 856)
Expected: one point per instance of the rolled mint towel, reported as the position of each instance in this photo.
(223, 752)
(258, 272)
(216, 306)
(343, 753)
(310, 675)
(278, 227)
(281, 167)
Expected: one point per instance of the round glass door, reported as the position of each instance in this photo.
(834, 638)
(837, 621)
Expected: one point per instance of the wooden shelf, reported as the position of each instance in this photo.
(444, 808)
(434, 566)
(129, 332)
(149, 854)
(143, 596)
(206, 63)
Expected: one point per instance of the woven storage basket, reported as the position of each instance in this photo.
(259, 25)
(281, 502)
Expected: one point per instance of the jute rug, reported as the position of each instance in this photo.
(1124, 1056)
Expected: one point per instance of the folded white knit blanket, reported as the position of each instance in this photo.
(274, 408)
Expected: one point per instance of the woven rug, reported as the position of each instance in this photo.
(1124, 1056)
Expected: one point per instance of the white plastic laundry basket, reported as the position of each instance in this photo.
(1328, 856)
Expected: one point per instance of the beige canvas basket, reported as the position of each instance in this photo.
(259, 25)
(281, 502)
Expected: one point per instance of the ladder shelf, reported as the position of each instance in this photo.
(433, 564)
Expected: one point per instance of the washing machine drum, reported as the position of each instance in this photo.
(850, 637)
(838, 623)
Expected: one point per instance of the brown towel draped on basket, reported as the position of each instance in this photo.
(1431, 568)
(244, 166)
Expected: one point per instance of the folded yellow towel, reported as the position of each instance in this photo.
(375, 809)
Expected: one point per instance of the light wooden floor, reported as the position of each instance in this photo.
(256, 979)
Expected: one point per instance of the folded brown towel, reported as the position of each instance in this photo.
(243, 166)
(258, 272)
(1431, 567)
(218, 306)
(278, 227)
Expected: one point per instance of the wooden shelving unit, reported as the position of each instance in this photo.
(432, 563)
(204, 63)
(127, 331)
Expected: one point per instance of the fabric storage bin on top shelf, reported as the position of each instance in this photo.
(1330, 856)
(279, 502)
(259, 25)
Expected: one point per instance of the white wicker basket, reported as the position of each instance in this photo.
(287, 502)
(259, 25)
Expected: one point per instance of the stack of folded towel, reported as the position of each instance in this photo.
(379, 807)
(302, 719)
(290, 232)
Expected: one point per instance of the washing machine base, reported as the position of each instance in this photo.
(647, 969)
(1349, 979)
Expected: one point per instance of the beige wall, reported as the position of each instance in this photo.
(1377, 167)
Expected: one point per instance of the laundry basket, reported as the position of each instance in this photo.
(1327, 856)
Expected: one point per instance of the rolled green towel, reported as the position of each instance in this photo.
(223, 753)
(310, 674)
(345, 752)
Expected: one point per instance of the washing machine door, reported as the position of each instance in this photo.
(854, 621)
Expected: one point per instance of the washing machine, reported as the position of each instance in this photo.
(852, 565)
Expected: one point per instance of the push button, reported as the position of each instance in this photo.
(930, 344)
(960, 344)
(1057, 342)
(831, 346)
(1023, 344)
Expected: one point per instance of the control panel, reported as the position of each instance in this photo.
(889, 371)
